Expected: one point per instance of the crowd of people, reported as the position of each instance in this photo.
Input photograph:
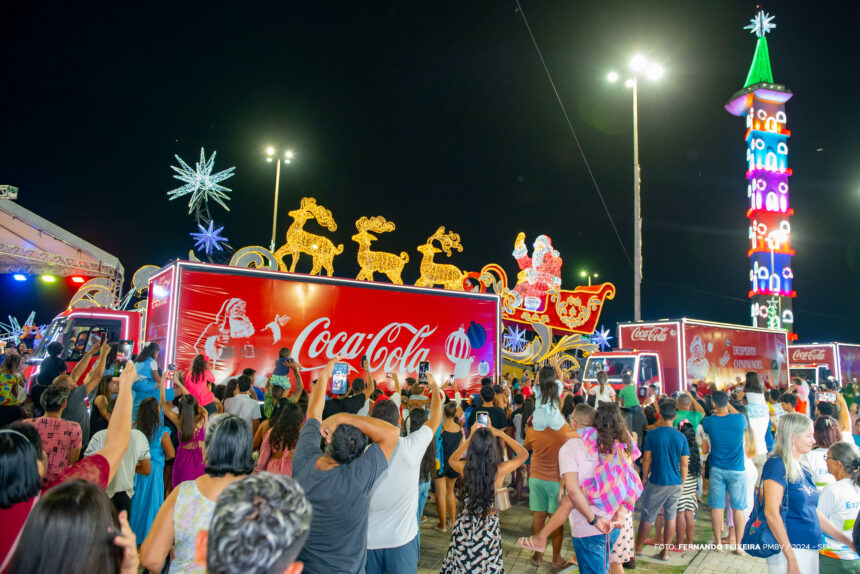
(123, 466)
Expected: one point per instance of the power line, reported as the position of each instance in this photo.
(573, 132)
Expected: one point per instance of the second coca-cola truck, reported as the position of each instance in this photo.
(242, 317)
(818, 361)
(676, 354)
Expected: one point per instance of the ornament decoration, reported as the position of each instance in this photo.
(200, 183)
(372, 262)
(209, 238)
(432, 273)
(477, 335)
(601, 338)
(321, 249)
(255, 257)
(458, 348)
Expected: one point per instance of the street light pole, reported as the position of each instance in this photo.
(275, 210)
(637, 212)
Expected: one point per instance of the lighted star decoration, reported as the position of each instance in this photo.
(761, 24)
(601, 338)
(209, 238)
(200, 182)
(515, 339)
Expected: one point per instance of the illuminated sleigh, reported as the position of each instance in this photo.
(567, 313)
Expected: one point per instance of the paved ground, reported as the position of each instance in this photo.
(516, 522)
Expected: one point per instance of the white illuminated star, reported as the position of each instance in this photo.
(515, 339)
(602, 338)
(200, 182)
(761, 24)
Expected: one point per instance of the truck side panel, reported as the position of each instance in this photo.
(849, 363)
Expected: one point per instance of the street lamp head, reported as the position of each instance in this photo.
(270, 150)
(655, 71)
(289, 154)
(269, 159)
(629, 82)
(596, 276)
(583, 274)
(612, 77)
(638, 63)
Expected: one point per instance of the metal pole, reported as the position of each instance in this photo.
(637, 213)
(275, 211)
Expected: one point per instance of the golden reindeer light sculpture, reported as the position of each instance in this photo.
(432, 273)
(377, 261)
(299, 241)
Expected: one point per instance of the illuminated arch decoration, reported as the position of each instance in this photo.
(762, 102)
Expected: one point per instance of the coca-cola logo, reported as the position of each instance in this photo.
(809, 355)
(651, 334)
(384, 349)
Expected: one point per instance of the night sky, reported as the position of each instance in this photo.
(439, 113)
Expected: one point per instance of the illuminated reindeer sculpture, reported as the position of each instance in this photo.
(299, 241)
(432, 273)
(377, 261)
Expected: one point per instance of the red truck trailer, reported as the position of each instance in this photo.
(241, 317)
(820, 360)
(675, 354)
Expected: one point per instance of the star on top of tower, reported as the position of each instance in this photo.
(761, 24)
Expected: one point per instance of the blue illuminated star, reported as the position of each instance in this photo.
(200, 182)
(602, 338)
(761, 24)
(515, 339)
(208, 238)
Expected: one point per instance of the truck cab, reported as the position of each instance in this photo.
(645, 368)
(79, 329)
(813, 374)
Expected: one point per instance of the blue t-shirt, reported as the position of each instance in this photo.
(726, 434)
(667, 446)
(282, 368)
(801, 520)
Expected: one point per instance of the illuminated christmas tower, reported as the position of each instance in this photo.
(763, 104)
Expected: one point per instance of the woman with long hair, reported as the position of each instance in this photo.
(758, 416)
(75, 529)
(188, 509)
(476, 542)
(448, 438)
(149, 489)
(190, 424)
(279, 442)
(199, 383)
(148, 377)
(602, 391)
(799, 535)
(99, 412)
(547, 413)
(838, 503)
(428, 464)
(826, 433)
(688, 503)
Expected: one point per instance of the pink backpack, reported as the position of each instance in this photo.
(615, 479)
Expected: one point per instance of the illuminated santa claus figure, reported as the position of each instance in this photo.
(540, 273)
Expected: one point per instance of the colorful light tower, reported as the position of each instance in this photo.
(763, 103)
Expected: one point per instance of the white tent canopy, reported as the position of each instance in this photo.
(33, 245)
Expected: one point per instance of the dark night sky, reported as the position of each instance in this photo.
(440, 114)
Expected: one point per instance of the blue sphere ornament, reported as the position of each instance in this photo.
(477, 335)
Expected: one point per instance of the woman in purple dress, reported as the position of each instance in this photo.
(191, 424)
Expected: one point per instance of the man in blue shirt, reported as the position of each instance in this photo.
(725, 430)
(664, 470)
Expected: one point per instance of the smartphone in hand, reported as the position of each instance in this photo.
(338, 379)
(423, 368)
(482, 419)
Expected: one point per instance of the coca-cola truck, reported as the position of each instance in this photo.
(676, 354)
(819, 361)
(241, 317)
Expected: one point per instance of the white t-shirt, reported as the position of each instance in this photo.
(839, 503)
(817, 461)
(244, 407)
(607, 396)
(393, 502)
(759, 415)
(138, 450)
